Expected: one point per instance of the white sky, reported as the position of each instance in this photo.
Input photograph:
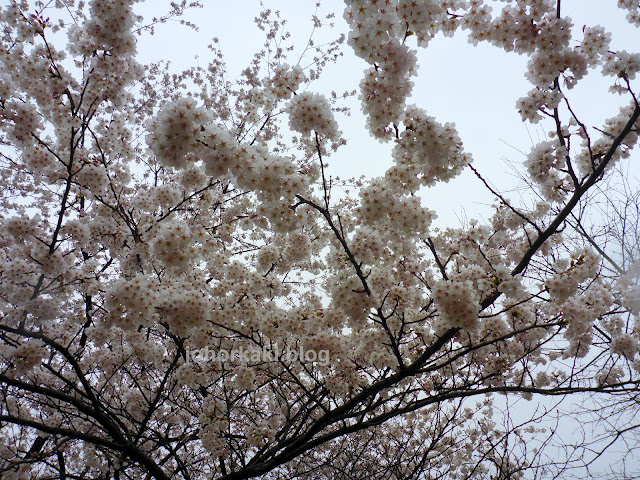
(474, 87)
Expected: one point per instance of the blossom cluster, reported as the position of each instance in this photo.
(633, 14)
(622, 64)
(131, 302)
(380, 202)
(596, 41)
(457, 303)
(93, 177)
(582, 266)
(378, 34)
(580, 311)
(626, 345)
(175, 131)
(173, 245)
(311, 112)
(537, 101)
(545, 164)
(628, 285)
(428, 150)
(108, 28)
(107, 38)
(181, 132)
(182, 305)
(285, 80)
(384, 90)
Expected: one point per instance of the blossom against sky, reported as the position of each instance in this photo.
(475, 87)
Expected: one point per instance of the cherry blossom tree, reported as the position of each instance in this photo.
(187, 292)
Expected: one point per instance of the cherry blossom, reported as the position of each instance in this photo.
(188, 290)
